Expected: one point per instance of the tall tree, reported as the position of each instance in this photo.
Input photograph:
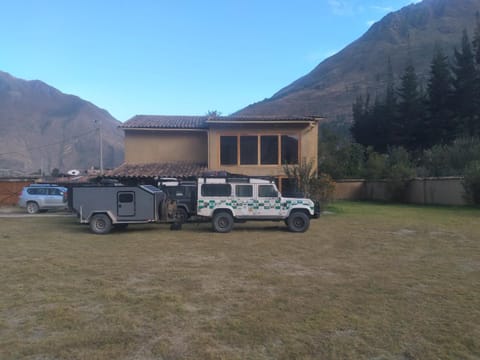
(408, 128)
(476, 49)
(476, 40)
(389, 108)
(439, 90)
(464, 88)
(361, 126)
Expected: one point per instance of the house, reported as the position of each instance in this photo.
(187, 146)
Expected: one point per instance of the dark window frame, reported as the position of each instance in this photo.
(207, 190)
(262, 160)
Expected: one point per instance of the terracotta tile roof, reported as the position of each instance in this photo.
(172, 169)
(202, 122)
(166, 122)
(263, 119)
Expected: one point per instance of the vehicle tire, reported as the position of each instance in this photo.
(298, 222)
(100, 224)
(181, 216)
(32, 207)
(222, 222)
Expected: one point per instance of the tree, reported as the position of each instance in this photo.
(408, 129)
(390, 107)
(476, 48)
(213, 113)
(464, 88)
(439, 106)
(361, 126)
(55, 172)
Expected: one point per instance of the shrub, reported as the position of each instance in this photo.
(400, 170)
(318, 187)
(471, 182)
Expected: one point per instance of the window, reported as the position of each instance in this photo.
(248, 150)
(267, 191)
(269, 149)
(289, 187)
(125, 198)
(244, 190)
(38, 191)
(216, 190)
(259, 149)
(289, 149)
(228, 150)
(54, 191)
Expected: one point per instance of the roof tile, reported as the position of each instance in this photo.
(172, 169)
(202, 122)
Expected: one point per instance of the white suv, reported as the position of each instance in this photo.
(43, 197)
(227, 200)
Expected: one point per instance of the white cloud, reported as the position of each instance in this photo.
(382, 8)
(370, 22)
(341, 7)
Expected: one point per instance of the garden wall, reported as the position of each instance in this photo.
(10, 190)
(427, 191)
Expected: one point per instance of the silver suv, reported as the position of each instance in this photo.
(43, 197)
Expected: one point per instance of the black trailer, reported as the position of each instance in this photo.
(105, 207)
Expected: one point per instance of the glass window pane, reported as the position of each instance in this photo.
(216, 190)
(290, 187)
(289, 149)
(248, 150)
(269, 149)
(125, 198)
(228, 150)
(244, 190)
(267, 191)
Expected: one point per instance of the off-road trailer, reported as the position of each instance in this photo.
(107, 207)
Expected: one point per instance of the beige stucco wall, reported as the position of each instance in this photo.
(308, 138)
(143, 146)
(428, 191)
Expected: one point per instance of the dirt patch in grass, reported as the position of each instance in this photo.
(370, 282)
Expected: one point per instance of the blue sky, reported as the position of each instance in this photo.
(177, 57)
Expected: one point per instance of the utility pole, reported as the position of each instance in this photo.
(100, 135)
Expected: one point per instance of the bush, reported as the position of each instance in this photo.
(322, 188)
(374, 165)
(471, 182)
(317, 187)
(400, 170)
(451, 160)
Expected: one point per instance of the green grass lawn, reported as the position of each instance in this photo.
(368, 281)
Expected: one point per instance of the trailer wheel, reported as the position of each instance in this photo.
(222, 222)
(298, 222)
(100, 224)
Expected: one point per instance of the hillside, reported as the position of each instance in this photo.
(414, 31)
(42, 128)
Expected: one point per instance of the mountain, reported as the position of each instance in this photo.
(42, 128)
(360, 68)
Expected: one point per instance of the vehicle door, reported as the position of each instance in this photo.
(268, 201)
(54, 198)
(244, 200)
(126, 203)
